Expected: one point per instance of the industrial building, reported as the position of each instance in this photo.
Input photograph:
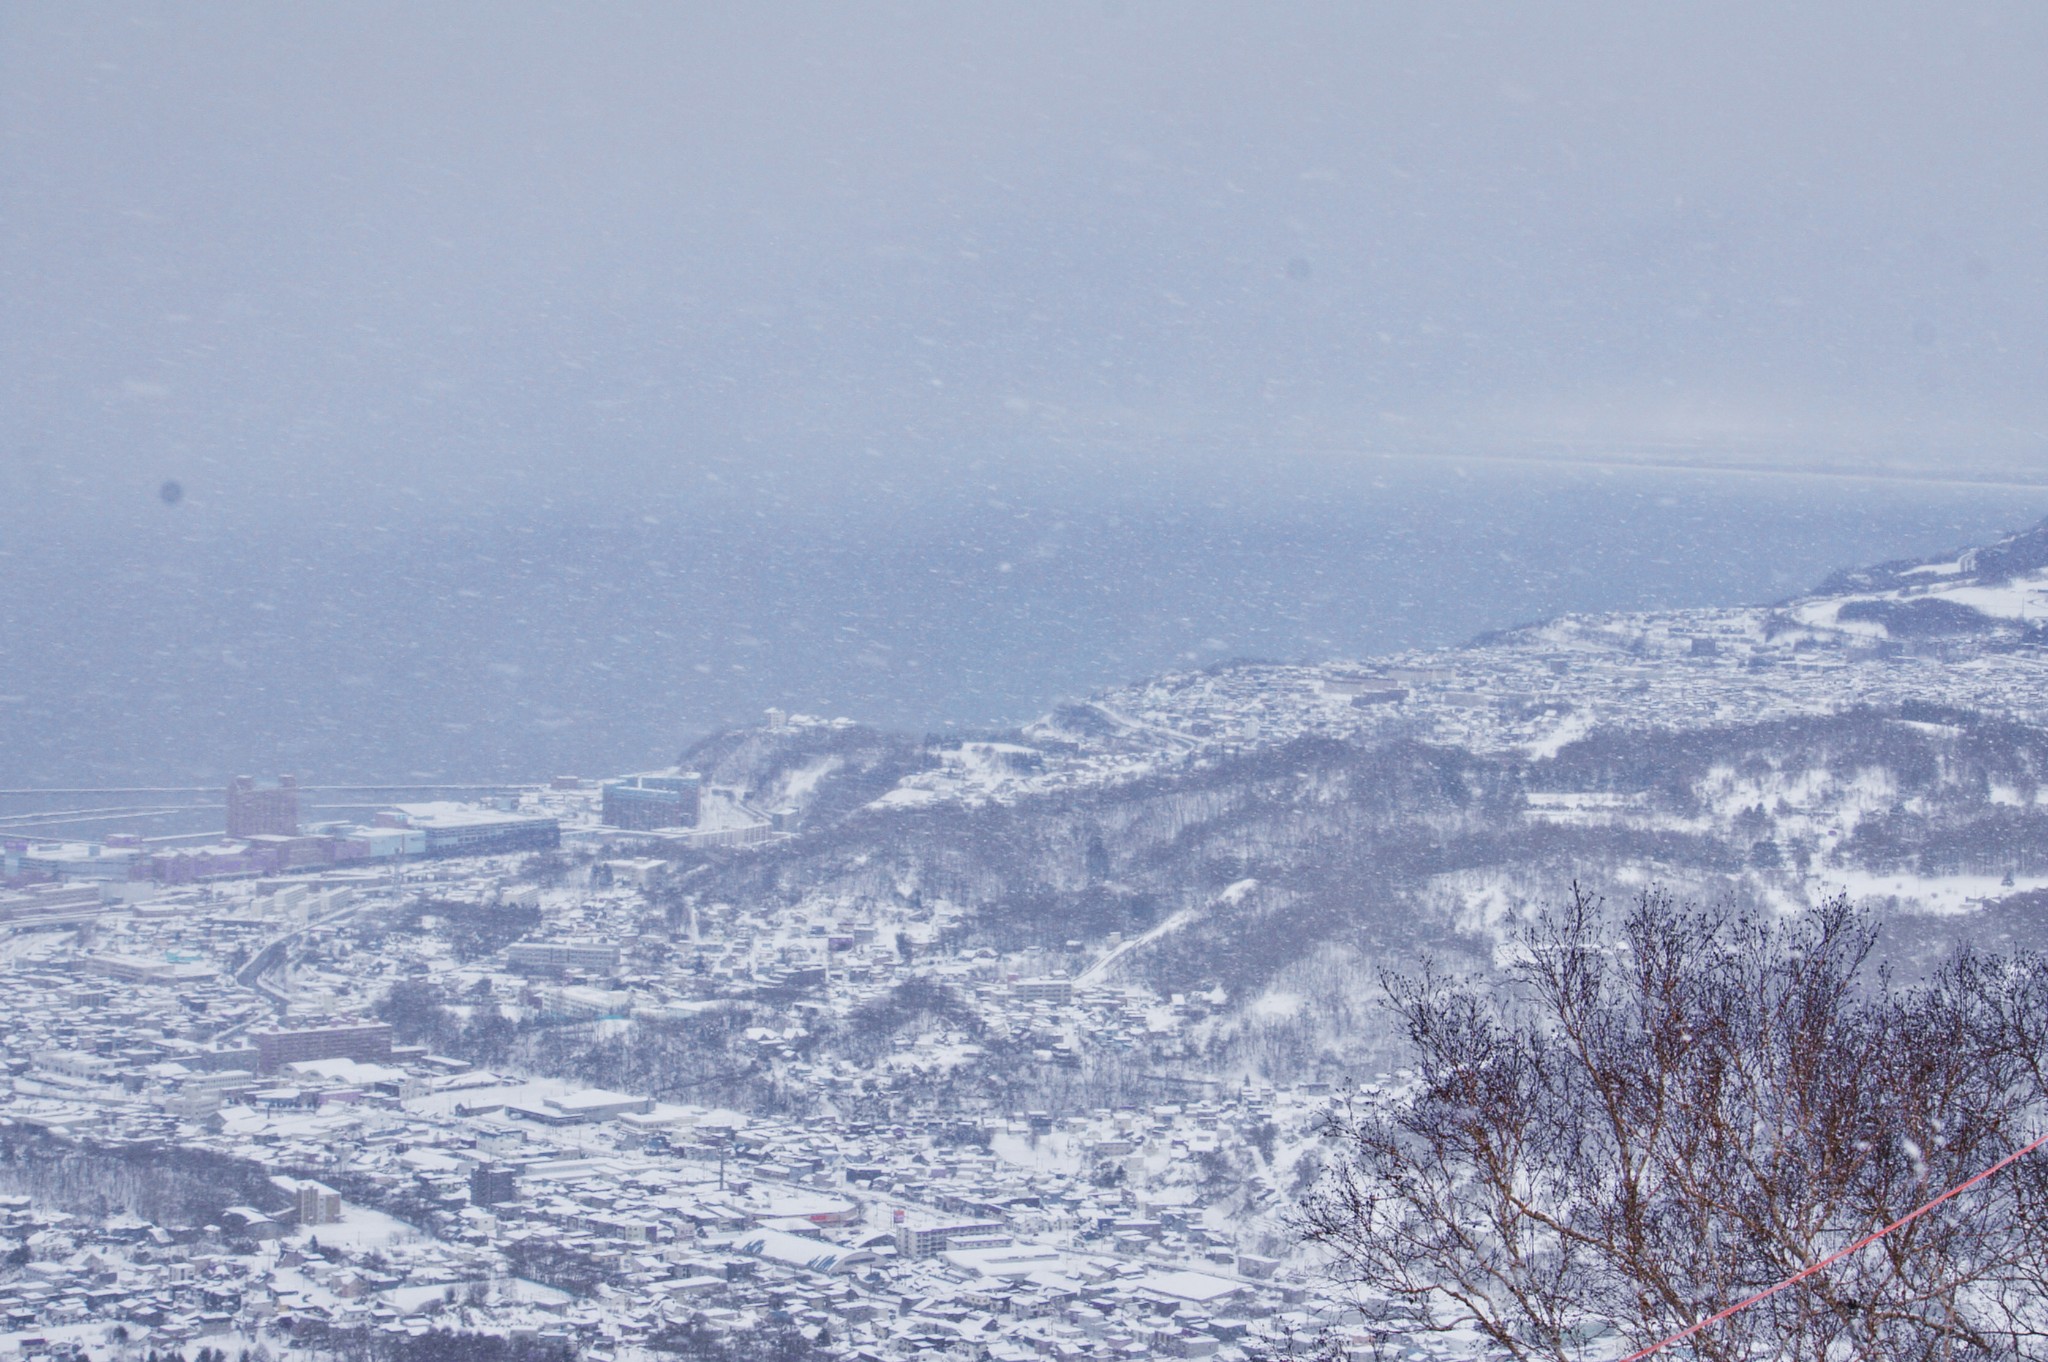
(52, 902)
(450, 829)
(66, 860)
(653, 799)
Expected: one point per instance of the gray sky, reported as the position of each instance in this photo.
(375, 251)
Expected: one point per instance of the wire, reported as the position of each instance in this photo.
(1837, 1256)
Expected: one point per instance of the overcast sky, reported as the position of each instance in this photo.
(378, 251)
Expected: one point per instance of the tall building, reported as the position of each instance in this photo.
(319, 1204)
(653, 799)
(257, 810)
(492, 1184)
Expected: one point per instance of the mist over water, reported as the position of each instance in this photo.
(486, 391)
(185, 641)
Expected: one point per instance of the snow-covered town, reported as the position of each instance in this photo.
(1073, 682)
(534, 1065)
(383, 1186)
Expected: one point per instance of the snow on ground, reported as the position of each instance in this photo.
(32, 944)
(720, 811)
(1484, 902)
(1826, 614)
(1582, 808)
(989, 758)
(2024, 598)
(94, 1339)
(799, 784)
(361, 1229)
(1818, 793)
(908, 796)
(1940, 896)
(933, 1058)
(1230, 897)
(1570, 728)
(1276, 1003)
(973, 772)
(1123, 948)
(1058, 1152)
(530, 1093)
(412, 1299)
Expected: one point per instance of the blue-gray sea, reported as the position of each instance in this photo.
(145, 642)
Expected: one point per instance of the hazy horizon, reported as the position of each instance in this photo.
(494, 252)
(542, 386)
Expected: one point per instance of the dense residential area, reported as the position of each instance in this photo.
(292, 1162)
(828, 1043)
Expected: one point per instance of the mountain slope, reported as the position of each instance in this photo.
(1883, 736)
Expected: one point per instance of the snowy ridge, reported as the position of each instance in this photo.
(1958, 632)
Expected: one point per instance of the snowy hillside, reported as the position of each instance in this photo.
(1250, 826)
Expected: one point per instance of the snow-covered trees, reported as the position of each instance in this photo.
(1662, 1111)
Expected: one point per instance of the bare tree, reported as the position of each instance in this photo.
(1662, 1111)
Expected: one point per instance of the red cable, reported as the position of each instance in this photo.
(1839, 1254)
